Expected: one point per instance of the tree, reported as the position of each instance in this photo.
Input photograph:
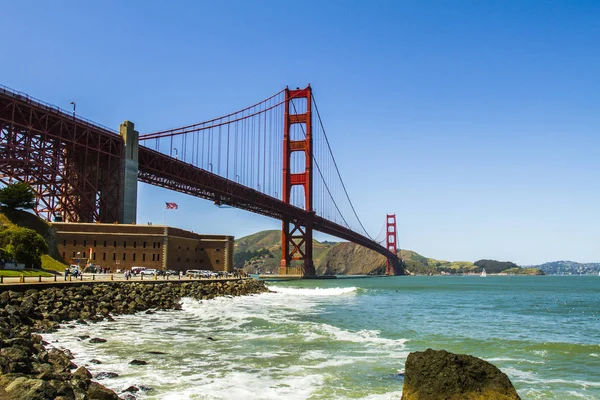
(494, 267)
(24, 246)
(17, 195)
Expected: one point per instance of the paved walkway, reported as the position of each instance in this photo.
(33, 280)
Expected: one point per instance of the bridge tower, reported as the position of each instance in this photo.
(296, 236)
(390, 239)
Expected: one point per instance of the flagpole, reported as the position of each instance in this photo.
(165, 207)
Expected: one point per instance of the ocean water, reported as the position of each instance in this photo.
(348, 338)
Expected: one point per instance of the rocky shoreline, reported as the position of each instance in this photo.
(31, 371)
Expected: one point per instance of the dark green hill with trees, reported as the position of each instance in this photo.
(24, 237)
(495, 267)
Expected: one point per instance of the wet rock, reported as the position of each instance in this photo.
(63, 389)
(132, 389)
(138, 362)
(94, 361)
(82, 373)
(35, 372)
(440, 375)
(156, 352)
(30, 389)
(97, 391)
(60, 361)
(106, 375)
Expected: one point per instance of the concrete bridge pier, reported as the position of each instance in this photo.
(129, 174)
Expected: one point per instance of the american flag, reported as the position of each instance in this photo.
(172, 206)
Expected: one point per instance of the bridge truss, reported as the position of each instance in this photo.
(272, 158)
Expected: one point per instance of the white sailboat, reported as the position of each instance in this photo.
(483, 274)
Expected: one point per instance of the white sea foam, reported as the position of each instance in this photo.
(578, 395)
(514, 360)
(541, 353)
(264, 347)
(594, 355)
(313, 291)
(370, 337)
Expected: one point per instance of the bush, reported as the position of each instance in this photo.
(17, 195)
(494, 267)
(23, 246)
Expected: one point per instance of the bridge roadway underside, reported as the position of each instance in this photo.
(161, 170)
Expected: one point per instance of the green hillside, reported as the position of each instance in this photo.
(11, 218)
(262, 251)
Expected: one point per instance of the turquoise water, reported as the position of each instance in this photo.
(347, 338)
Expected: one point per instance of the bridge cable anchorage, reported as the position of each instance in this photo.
(322, 178)
(337, 170)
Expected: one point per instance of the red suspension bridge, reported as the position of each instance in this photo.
(84, 172)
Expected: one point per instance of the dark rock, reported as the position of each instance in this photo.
(60, 360)
(439, 375)
(210, 338)
(97, 391)
(82, 373)
(63, 389)
(144, 388)
(31, 371)
(132, 389)
(68, 354)
(106, 375)
(30, 389)
(94, 361)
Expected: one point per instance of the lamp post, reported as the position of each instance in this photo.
(78, 259)
(74, 107)
(175, 148)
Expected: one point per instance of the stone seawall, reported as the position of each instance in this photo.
(30, 371)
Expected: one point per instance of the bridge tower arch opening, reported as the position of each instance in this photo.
(296, 235)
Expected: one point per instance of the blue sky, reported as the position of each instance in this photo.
(477, 123)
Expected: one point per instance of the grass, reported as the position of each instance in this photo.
(50, 264)
(26, 272)
(10, 218)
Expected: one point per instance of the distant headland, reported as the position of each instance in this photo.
(261, 252)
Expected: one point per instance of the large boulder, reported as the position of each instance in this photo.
(30, 389)
(439, 375)
(97, 391)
